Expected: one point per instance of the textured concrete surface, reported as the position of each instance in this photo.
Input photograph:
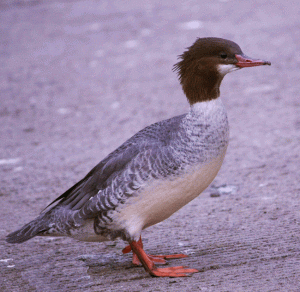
(77, 78)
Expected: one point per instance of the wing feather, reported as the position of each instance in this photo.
(101, 176)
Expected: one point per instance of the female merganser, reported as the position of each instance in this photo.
(157, 171)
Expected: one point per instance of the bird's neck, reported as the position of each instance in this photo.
(201, 86)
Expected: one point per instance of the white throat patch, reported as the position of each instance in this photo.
(224, 69)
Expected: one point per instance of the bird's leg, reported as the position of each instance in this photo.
(157, 259)
(150, 267)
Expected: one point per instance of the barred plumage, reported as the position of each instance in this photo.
(163, 150)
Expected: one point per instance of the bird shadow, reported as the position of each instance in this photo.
(119, 267)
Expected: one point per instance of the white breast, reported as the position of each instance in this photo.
(164, 197)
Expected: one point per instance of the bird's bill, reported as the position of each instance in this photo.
(244, 61)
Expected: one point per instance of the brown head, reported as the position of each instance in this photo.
(206, 62)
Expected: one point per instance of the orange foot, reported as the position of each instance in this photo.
(149, 266)
(172, 272)
(157, 259)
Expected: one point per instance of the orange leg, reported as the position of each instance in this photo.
(150, 267)
(157, 259)
(148, 262)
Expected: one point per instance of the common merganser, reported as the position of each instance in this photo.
(157, 171)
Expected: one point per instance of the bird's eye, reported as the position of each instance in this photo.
(223, 55)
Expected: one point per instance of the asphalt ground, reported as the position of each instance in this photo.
(78, 78)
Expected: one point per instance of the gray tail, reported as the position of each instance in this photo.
(28, 231)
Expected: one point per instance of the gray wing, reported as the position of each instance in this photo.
(155, 162)
(144, 144)
(110, 182)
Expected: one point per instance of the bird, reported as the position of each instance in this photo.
(155, 172)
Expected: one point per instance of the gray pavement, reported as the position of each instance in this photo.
(77, 78)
